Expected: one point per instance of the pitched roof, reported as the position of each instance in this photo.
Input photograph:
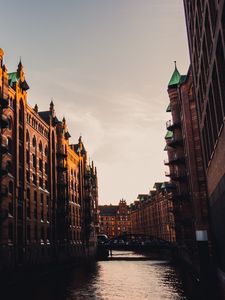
(13, 77)
(175, 78)
(168, 108)
(169, 135)
(108, 210)
(45, 115)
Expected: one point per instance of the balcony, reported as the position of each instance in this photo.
(174, 142)
(166, 162)
(176, 160)
(4, 144)
(4, 103)
(170, 186)
(4, 121)
(176, 176)
(170, 125)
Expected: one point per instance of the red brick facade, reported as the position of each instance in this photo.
(115, 219)
(152, 214)
(186, 166)
(49, 198)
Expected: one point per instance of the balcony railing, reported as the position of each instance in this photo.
(174, 142)
(176, 160)
(170, 125)
(176, 176)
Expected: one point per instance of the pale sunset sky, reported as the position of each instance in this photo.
(106, 64)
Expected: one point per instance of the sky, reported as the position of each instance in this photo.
(106, 65)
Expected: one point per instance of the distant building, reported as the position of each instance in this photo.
(48, 191)
(152, 214)
(115, 219)
(205, 22)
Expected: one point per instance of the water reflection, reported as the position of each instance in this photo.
(108, 280)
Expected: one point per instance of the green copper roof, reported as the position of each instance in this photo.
(168, 108)
(169, 135)
(157, 185)
(175, 79)
(183, 78)
(13, 78)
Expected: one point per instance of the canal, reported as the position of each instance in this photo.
(128, 276)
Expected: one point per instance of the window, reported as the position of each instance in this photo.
(42, 199)
(34, 180)
(46, 151)
(20, 134)
(40, 182)
(27, 137)
(10, 206)
(28, 176)
(11, 187)
(21, 112)
(28, 194)
(40, 165)
(27, 157)
(10, 231)
(40, 146)
(10, 146)
(9, 124)
(28, 208)
(34, 142)
(9, 167)
(46, 168)
(34, 159)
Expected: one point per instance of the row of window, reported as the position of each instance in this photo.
(34, 123)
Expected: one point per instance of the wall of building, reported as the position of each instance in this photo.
(48, 209)
(206, 34)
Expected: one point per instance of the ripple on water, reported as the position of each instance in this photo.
(115, 280)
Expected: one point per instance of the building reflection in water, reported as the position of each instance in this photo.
(107, 280)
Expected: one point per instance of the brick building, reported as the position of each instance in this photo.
(115, 219)
(185, 163)
(48, 208)
(205, 22)
(152, 214)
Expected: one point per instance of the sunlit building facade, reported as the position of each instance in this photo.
(48, 191)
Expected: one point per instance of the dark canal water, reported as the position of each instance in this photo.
(107, 280)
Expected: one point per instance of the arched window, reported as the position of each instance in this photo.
(21, 110)
(46, 151)
(34, 142)
(27, 137)
(9, 167)
(40, 146)
(9, 123)
(20, 134)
